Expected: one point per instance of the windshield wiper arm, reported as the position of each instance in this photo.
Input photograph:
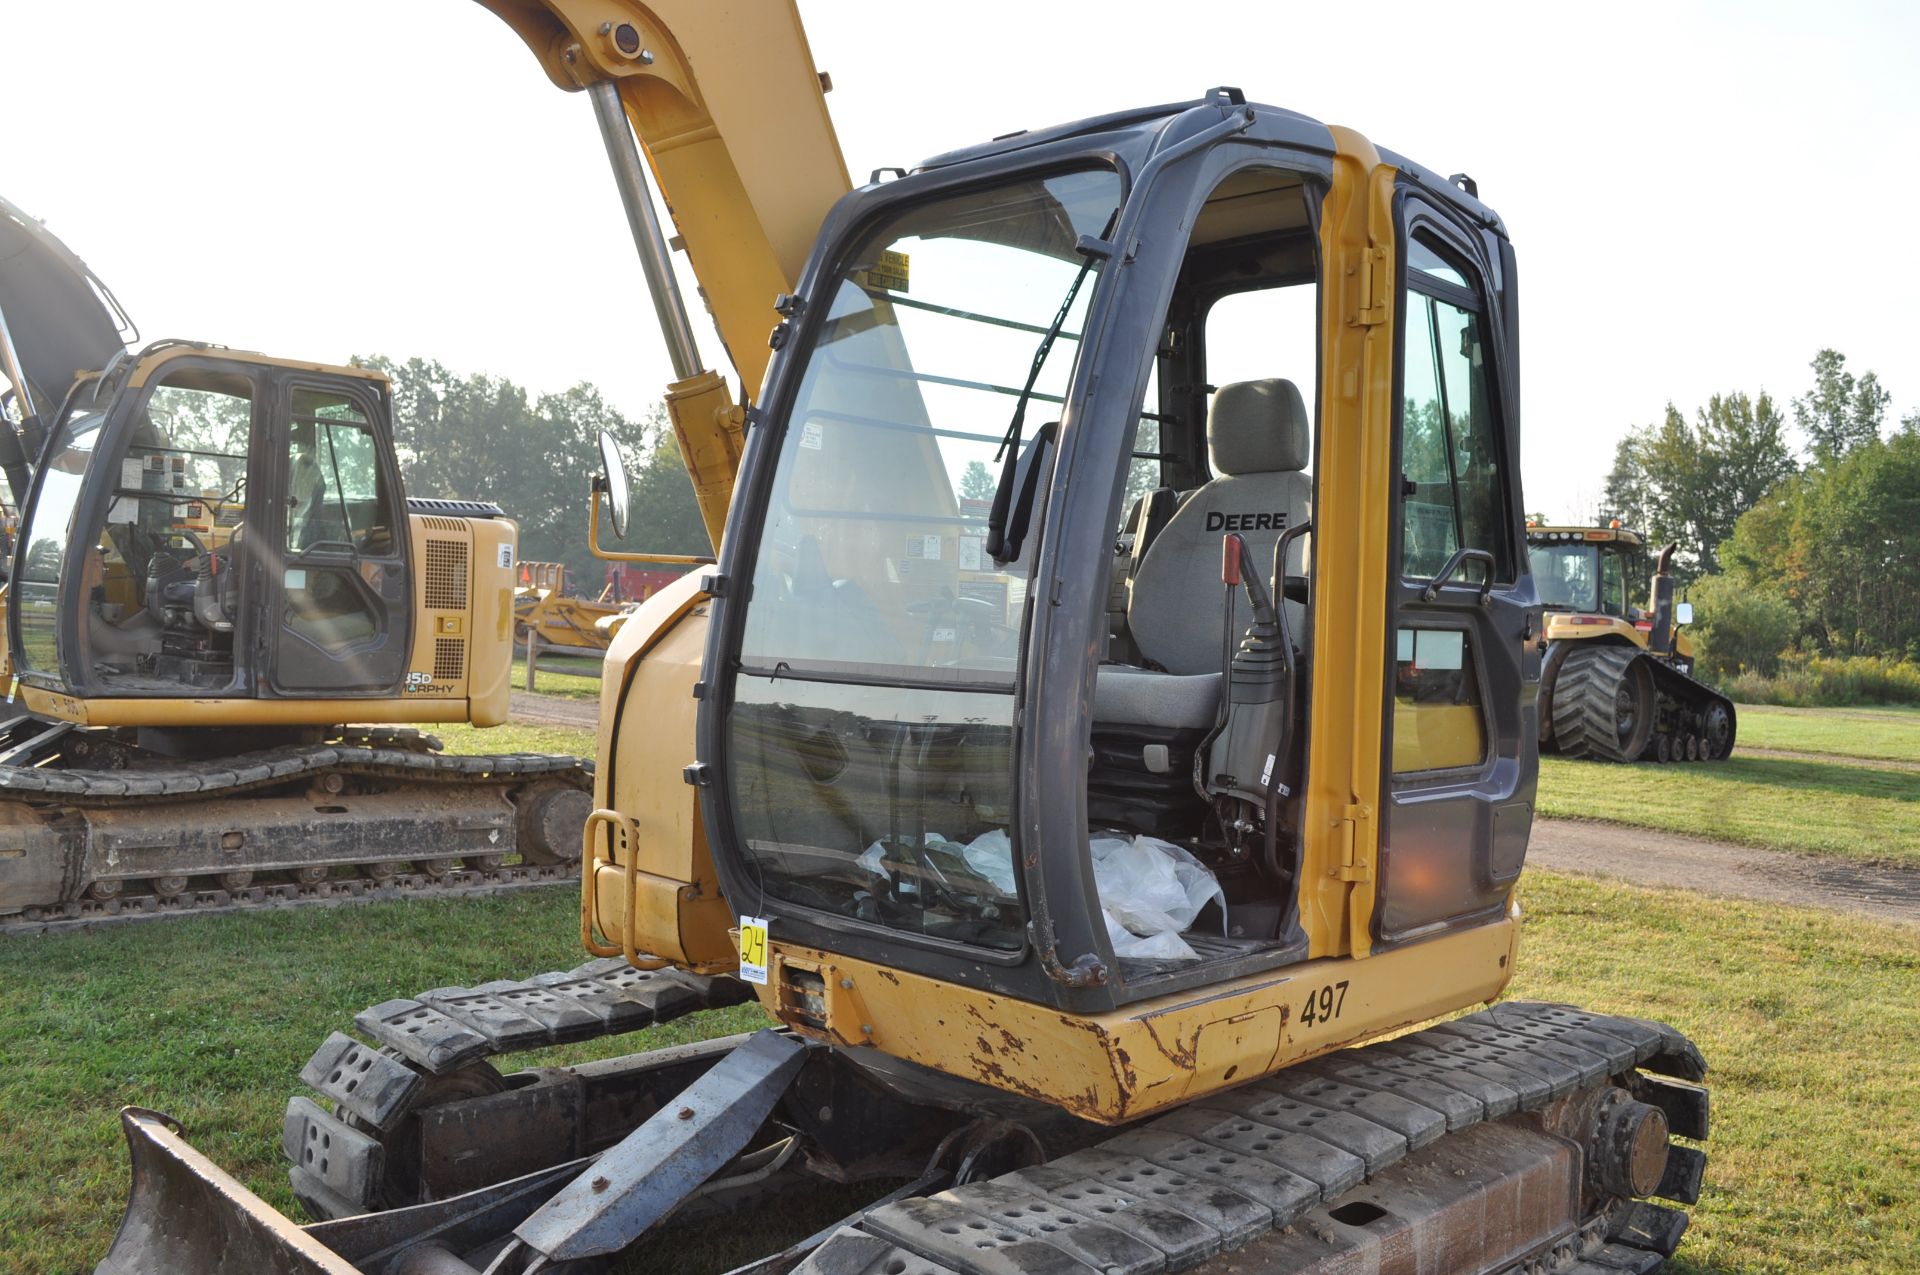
(1091, 251)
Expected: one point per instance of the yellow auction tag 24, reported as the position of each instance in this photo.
(753, 949)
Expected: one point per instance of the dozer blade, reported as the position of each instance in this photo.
(187, 1214)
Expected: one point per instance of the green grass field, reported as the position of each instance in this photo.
(1810, 1022)
(1884, 734)
(1777, 803)
(562, 676)
(516, 737)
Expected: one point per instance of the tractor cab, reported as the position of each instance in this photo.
(1120, 590)
(1591, 570)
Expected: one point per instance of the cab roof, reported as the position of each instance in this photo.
(1555, 533)
(1140, 129)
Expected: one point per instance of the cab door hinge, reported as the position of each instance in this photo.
(1369, 278)
(1350, 868)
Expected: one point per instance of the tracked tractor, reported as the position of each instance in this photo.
(225, 620)
(1091, 937)
(1617, 683)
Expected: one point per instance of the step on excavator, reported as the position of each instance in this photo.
(225, 621)
(1617, 683)
(1094, 938)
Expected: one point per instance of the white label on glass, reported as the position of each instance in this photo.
(296, 578)
(812, 437)
(1440, 649)
(930, 548)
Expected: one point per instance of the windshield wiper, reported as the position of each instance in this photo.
(1002, 546)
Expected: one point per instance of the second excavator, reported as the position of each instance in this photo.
(225, 618)
(1095, 833)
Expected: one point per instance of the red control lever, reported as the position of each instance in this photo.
(1231, 549)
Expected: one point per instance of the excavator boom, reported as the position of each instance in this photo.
(698, 82)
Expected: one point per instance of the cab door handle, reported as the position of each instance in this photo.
(1459, 559)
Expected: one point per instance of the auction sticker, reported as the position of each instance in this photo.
(753, 949)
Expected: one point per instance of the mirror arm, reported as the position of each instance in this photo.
(617, 555)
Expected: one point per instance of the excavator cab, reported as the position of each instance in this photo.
(227, 525)
(1095, 616)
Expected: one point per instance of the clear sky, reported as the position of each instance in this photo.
(1701, 195)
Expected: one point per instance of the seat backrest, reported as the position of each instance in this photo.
(1258, 440)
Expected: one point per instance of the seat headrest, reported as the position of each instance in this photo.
(1258, 427)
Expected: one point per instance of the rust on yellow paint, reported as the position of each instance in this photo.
(1118, 1066)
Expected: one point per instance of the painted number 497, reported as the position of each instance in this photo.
(1324, 1005)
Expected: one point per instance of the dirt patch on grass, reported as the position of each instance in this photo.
(551, 710)
(1887, 892)
(1795, 754)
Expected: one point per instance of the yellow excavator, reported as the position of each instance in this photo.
(220, 603)
(1617, 683)
(1103, 772)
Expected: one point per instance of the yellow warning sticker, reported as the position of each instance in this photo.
(889, 273)
(753, 950)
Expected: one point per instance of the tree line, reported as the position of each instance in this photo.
(1812, 549)
(479, 437)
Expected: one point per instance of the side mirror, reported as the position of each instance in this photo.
(1682, 613)
(613, 479)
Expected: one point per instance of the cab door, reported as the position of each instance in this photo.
(341, 590)
(1461, 761)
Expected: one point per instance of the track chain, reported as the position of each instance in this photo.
(277, 766)
(459, 883)
(1209, 1177)
(337, 1168)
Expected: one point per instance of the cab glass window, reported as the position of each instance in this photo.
(872, 720)
(1438, 722)
(1613, 584)
(1449, 439)
(336, 491)
(1266, 333)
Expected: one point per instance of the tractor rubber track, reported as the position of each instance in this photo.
(1676, 725)
(1167, 1194)
(1584, 693)
(1696, 700)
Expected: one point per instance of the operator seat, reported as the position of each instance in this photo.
(1258, 442)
